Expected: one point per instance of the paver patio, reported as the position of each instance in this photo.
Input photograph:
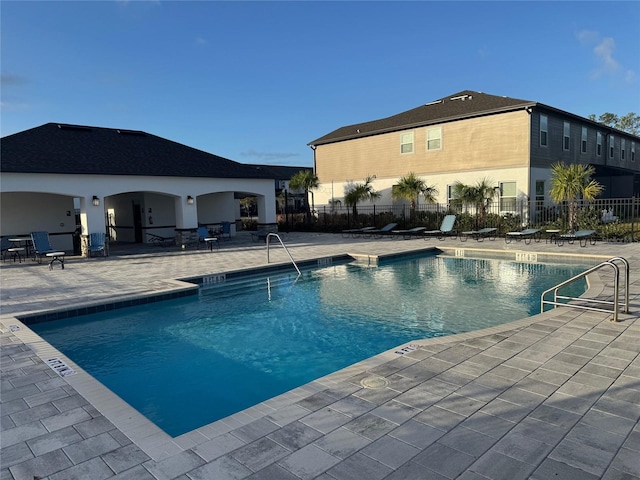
(553, 396)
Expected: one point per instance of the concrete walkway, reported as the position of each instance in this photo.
(553, 396)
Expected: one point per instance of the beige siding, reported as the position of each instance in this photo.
(490, 142)
(520, 175)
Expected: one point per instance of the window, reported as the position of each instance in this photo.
(566, 138)
(449, 193)
(583, 140)
(622, 148)
(633, 151)
(598, 144)
(539, 192)
(543, 130)
(612, 143)
(508, 196)
(434, 138)
(406, 143)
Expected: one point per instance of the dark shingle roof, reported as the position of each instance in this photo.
(452, 107)
(282, 172)
(74, 149)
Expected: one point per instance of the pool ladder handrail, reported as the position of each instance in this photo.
(271, 234)
(616, 290)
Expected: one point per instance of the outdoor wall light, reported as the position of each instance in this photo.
(96, 201)
(189, 200)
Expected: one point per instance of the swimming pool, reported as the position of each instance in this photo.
(241, 342)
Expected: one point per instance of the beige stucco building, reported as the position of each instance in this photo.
(470, 136)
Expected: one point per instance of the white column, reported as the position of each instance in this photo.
(266, 209)
(186, 214)
(92, 216)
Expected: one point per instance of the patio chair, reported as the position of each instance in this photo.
(202, 233)
(386, 230)
(527, 235)
(583, 236)
(354, 232)
(5, 245)
(479, 235)
(41, 245)
(225, 231)
(446, 229)
(97, 242)
(409, 233)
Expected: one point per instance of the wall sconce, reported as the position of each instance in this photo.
(96, 201)
(189, 200)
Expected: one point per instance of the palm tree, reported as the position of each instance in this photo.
(247, 203)
(358, 192)
(479, 196)
(410, 187)
(307, 180)
(572, 183)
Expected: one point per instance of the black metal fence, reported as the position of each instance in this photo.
(612, 219)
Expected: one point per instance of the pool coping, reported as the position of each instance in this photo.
(159, 445)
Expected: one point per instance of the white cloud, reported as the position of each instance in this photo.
(604, 50)
(604, 54)
(10, 80)
(268, 155)
(13, 106)
(201, 41)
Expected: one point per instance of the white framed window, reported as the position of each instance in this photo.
(406, 142)
(508, 195)
(583, 140)
(449, 194)
(622, 148)
(612, 144)
(598, 144)
(544, 130)
(434, 138)
(566, 136)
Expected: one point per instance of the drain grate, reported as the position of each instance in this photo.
(60, 367)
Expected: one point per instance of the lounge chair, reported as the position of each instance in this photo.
(41, 245)
(42, 248)
(410, 233)
(479, 235)
(446, 229)
(354, 232)
(527, 235)
(161, 241)
(583, 236)
(386, 230)
(97, 241)
(263, 234)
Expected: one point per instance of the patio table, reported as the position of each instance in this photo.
(24, 242)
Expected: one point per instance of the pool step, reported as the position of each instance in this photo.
(243, 285)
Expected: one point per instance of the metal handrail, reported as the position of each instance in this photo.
(269, 235)
(616, 291)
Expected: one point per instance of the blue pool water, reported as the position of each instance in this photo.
(188, 362)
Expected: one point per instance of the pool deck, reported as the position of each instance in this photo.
(555, 396)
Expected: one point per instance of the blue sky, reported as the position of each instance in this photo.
(257, 81)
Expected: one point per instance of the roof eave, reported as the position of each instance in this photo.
(424, 123)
